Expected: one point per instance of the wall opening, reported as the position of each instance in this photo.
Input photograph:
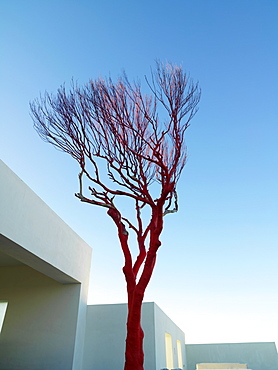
(3, 309)
(169, 351)
(179, 353)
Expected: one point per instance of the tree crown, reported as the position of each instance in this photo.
(116, 122)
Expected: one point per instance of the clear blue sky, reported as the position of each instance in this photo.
(216, 274)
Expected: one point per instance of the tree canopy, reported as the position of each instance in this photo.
(117, 123)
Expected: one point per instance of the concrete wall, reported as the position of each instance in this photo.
(258, 356)
(106, 333)
(53, 247)
(164, 324)
(39, 328)
(44, 276)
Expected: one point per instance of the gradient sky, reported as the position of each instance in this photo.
(216, 273)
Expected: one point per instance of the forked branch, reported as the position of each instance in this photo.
(116, 123)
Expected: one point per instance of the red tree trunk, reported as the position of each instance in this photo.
(134, 354)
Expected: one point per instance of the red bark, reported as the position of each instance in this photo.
(134, 354)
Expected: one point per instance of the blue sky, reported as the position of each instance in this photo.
(216, 274)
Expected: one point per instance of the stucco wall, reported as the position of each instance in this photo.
(33, 237)
(164, 324)
(258, 356)
(53, 247)
(106, 332)
(105, 337)
(40, 324)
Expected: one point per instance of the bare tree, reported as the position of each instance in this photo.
(116, 123)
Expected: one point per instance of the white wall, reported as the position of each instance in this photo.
(106, 332)
(40, 322)
(52, 255)
(52, 246)
(258, 356)
(163, 324)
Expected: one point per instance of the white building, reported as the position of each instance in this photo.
(45, 322)
(105, 338)
(44, 277)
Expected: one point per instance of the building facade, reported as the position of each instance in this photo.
(106, 332)
(44, 277)
(257, 356)
(45, 322)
